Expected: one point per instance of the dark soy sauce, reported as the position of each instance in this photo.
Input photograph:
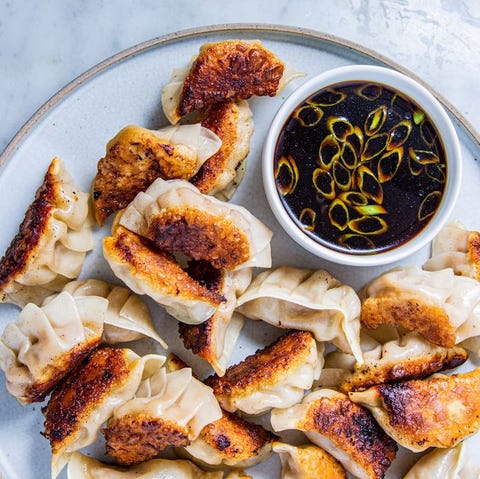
(360, 167)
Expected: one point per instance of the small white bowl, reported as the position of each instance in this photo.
(427, 102)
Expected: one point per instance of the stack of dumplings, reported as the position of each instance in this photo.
(348, 379)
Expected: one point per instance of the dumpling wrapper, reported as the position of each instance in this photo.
(309, 300)
(147, 270)
(85, 467)
(441, 306)
(52, 241)
(307, 462)
(127, 317)
(228, 70)
(342, 428)
(222, 172)
(238, 474)
(175, 216)
(407, 356)
(75, 413)
(169, 409)
(457, 248)
(136, 157)
(440, 411)
(275, 376)
(46, 342)
(214, 340)
(445, 464)
(231, 441)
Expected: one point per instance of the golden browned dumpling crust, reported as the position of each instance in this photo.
(438, 412)
(311, 461)
(53, 373)
(264, 368)
(134, 439)
(199, 337)
(25, 243)
(316, 463)
(474, 251)
(174, 363)
(154, 267)
(75, 399)
(221, 118)
(230, 70)
(134, 159)
(235, 438)
(200, 235)
(413, 314)
(368, 375)
(354, 430)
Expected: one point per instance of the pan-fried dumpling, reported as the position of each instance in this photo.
(52, 241)
(444, 308)
(308, 300)
(228, 70)
(445, 464)
(214, 339)
(457, 248)
(275, 376)
(222, 172)
(85, 467)
(175, 216)
(80, 405)
(136, 157)
(147, 270)
(228, 441)
(307, 462)
(45, 343)
(127, 317)
(231, 441)
(437, 412)
(344, 429)
(409, 356)
(237, 475)
(169, 409)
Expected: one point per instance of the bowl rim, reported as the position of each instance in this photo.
(412, 89)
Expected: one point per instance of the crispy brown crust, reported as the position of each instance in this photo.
(59, 369)
(155, 267)
(134, 439)
(315, 463)
(134, 159)
(200, 235)
(353, 429)
(199, 337)
(438, 412)
(413, 314)
(76, 398)
(174, 363)
(222, 119)
(474, 252)
(235, 438)
(366, 376)
(230, 70)
(26, 241)
(266, 367)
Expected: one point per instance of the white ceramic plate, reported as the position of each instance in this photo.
(76, 125)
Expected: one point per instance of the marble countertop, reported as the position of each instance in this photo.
(47, 44)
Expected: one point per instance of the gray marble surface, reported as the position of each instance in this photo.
(46, 44)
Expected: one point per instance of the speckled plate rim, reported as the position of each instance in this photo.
(227, 27)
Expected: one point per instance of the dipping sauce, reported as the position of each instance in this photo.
(360, 167)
